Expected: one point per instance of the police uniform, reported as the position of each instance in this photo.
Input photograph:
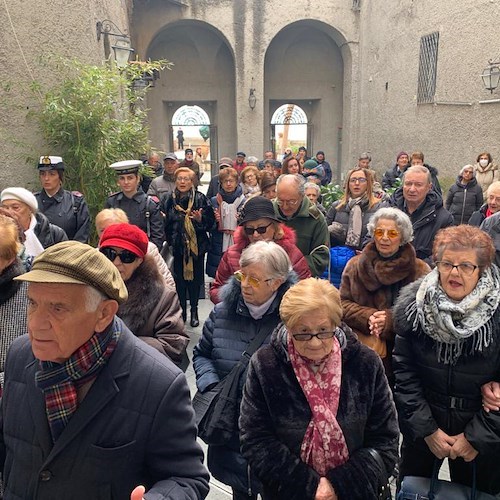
(142, 210)
(65, 209)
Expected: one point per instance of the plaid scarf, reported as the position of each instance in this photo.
(323, 446)
(59, 382)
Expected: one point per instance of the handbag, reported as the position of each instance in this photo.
(423, 488)
(385, 489)
(217, 410)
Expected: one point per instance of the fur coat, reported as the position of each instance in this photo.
(230, 261)
(153, 313)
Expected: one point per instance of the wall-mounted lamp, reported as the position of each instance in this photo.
(121, 47)
(491, 75)
(252, 99)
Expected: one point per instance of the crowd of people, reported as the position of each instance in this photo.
(376, 315)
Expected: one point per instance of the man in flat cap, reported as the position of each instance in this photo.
(190, 163)
(163, 186)
(88, 410)
(66, 209)
(142, 210)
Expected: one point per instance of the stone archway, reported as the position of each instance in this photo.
(202, 75)
(304, 66)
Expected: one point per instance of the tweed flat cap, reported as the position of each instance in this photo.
(78, 263)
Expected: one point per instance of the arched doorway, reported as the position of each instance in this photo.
(289, 129)
(191, 128)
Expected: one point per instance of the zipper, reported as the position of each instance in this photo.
(463, 206)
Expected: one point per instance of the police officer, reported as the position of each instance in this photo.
(142, 210)
(65, 209)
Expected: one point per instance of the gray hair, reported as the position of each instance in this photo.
(313, 185)
(462, 170)
(402, 221)
(296, 179)
(252, 159)
(269, 255)
(92, 298)
(419, 169)
(494, 186)
(365, 156)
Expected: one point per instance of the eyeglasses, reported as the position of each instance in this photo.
(464, 267)
(391, 233)
(355, 180)
(253, 282)
(304, 337)
(126, 256)
(292, 203)
(249, 230)
(184, 179)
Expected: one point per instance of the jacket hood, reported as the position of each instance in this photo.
(406, 296)
(241, 241)
(471, 183)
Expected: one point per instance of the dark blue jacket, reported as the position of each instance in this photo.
(227, 332)
(135, 426)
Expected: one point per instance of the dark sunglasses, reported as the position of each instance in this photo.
(126, 256)
(249, 230)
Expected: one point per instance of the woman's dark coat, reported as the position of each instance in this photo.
(152, 312)
(275, 415)
(463, 200)
(431, 395)
(227, 332)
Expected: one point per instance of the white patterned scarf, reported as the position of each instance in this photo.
(451, 323)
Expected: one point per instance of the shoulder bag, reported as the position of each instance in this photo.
(385, 489)
(217, 410)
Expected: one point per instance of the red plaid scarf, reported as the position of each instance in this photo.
(59, 382)
(323, 446)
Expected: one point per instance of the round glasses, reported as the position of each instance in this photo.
(249, 230)
(292, 203)
(355, 180)
(304, 337)
(391, 233)
(125, 256)
(464, 268)
(253, 282)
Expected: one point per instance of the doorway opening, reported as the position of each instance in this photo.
(289, 129)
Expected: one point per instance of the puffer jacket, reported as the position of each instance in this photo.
(341, 215)
(227, 332)
(48, 234)
(463, 199)
(391, 175)
(275, 415)
(431, 395)
(427, 220)
(230, 261)
(153, 313)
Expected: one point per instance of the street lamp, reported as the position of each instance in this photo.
(491, 76)
(121, 47)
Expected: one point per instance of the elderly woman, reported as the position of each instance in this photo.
(225, 204)
(40, 233)
(372, 280)
(464, 197)
(249, 180)
(313, 192)
(250, 305)
(348, 218)
(258, 222)
(492, 205)
(447, 346)
(486, 171)
(13, 296)
(109, 216)
(317, 417)
(152, 311)
(188, 219)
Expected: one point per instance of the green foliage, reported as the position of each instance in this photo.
(94, 118)
(397, 184)
(330, 193)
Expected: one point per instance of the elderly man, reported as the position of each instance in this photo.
(417, 198)
(162, 187)
(492, 205)
(294, 209)
(88, 409)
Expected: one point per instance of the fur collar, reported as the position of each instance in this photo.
(378, 272)
(8, 287)
(241, 241)
(145, 289)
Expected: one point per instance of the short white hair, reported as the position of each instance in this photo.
(92, 298)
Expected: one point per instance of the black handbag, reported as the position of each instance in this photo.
(385, 489)
(423, 488)
(217, 410)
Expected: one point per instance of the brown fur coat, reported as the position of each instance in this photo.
(371, 283)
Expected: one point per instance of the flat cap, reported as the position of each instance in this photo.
(170, 156)
(77, 263)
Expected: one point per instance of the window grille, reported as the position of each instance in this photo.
(427, 68)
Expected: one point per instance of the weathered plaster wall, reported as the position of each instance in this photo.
(31, 30)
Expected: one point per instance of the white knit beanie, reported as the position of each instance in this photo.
(20, 194)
